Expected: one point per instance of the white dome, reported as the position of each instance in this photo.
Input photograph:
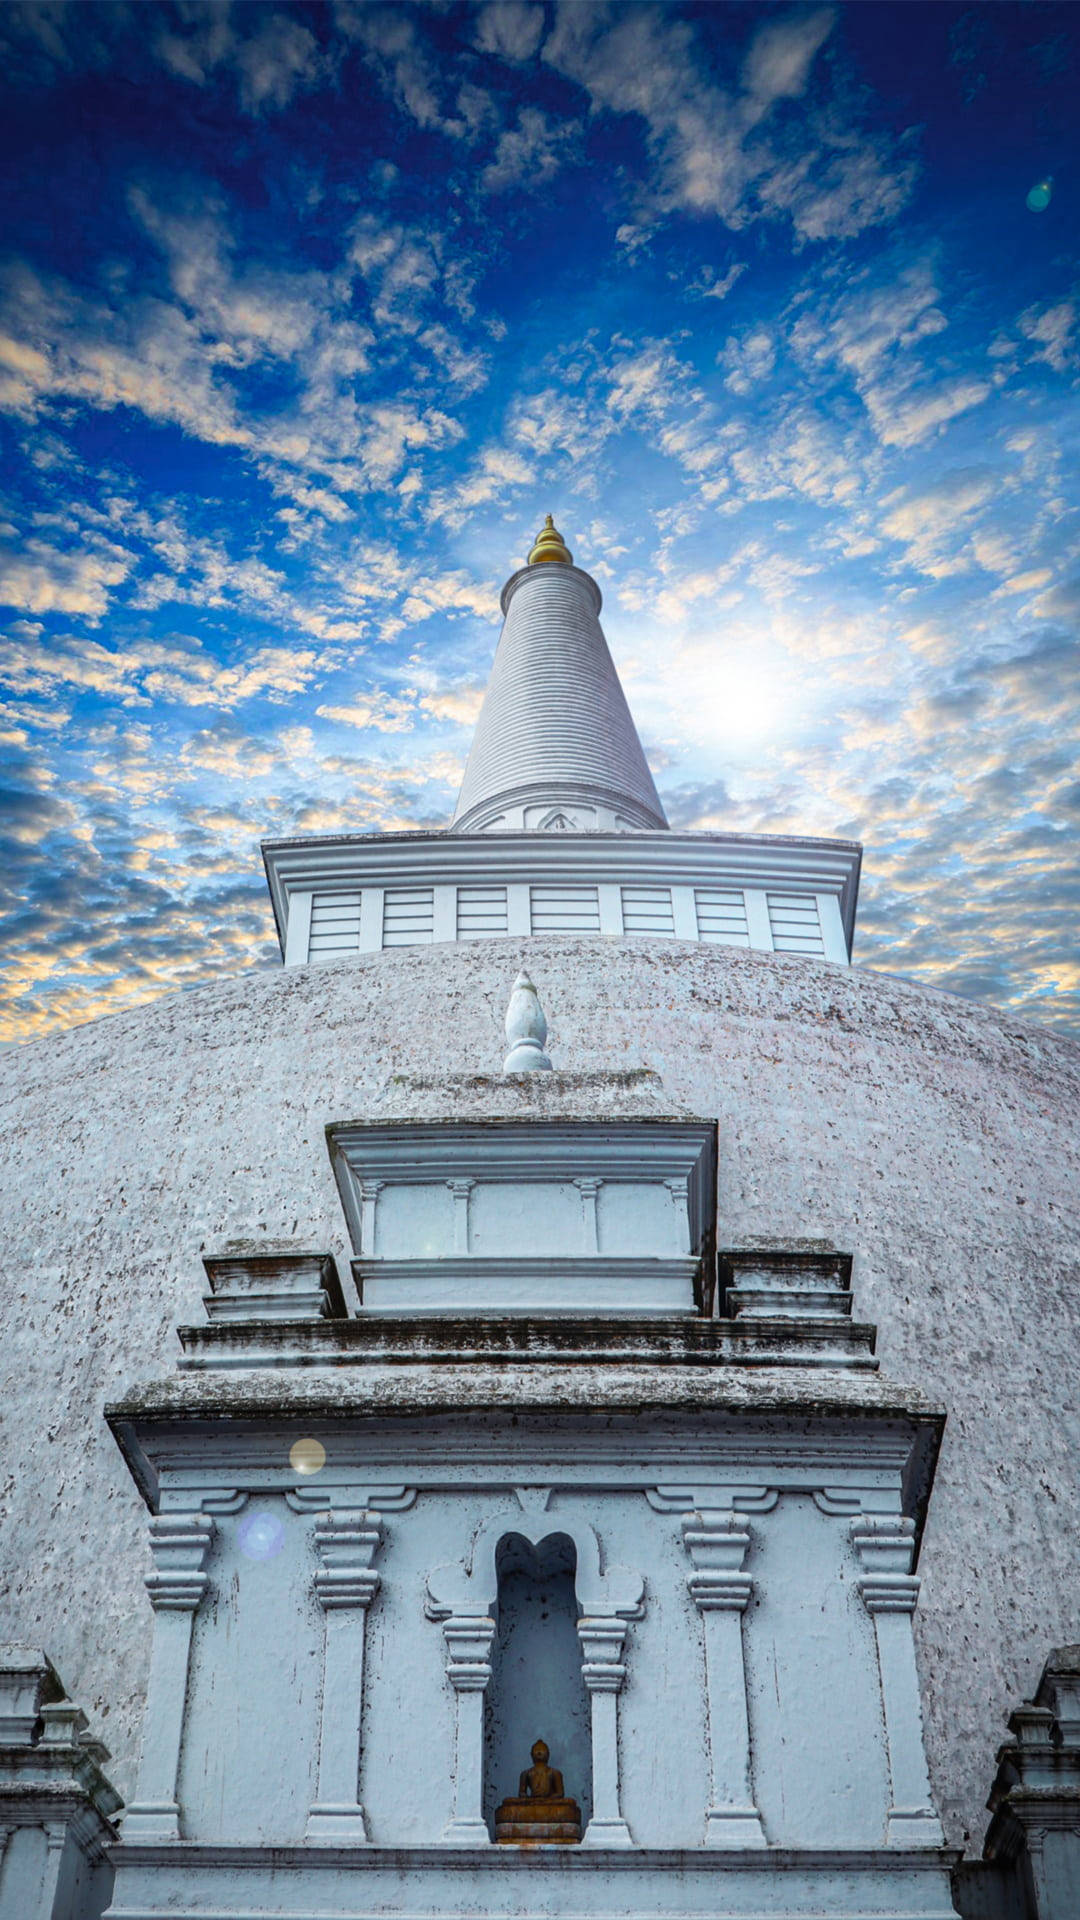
(931, 1137)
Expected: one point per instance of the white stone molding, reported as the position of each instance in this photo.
(884, 1546)
(532, 1499)
(717, 1542)
(179, 1543)
(461, 1595)
(347, 1541)
(345, 1495)
(725, 1497)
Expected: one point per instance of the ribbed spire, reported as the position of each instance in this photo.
(555, 745)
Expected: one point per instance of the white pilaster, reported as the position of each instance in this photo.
(758, 924)
(48, 1907)
(298, 929)
(468, 1647)
(884, 1545)
(832, 928)
(444, 913)
(603, 1672)
(680, 1200)
(369, 1200)
(609, 901)
(371, 919)
(518, 907)
(460, 1190)
(717, 1543)
(179, 1543)
(347, 1542)
(684, 913)
(589, 1190)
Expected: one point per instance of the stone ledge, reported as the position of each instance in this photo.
(571, 1339)
(188, 1854)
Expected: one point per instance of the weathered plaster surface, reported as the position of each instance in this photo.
(933, 1138)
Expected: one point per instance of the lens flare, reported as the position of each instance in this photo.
(261, 1535)
(1039, 198)
(307, 1456)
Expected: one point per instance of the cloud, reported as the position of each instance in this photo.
(713, 286)
(497, 472)
(42, 579)
(647, 382)
(1053, 333)
(728, 150)
(386, 712)
(176, 672)
(510, 29)
(279, 59)
(529, 153)
(927, 520)
(749, 359)
(459, 705)
(873, 334)
(402, 63)
(184, 363)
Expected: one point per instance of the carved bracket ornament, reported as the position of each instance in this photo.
(461, 1595)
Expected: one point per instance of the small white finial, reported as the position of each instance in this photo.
(526, 1030)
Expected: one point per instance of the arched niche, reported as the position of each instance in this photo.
(463, 1595)
(537, 1690)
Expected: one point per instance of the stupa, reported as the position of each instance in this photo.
(513, 1233)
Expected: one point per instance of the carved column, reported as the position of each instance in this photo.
(884, 1544)
(460, 1191)
(603, 1673)
(589, 1190)
(717, 1543)
(179, 1543)
(468, 1647)
(347, 1542)
(369, 1200)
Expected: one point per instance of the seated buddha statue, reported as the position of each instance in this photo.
(540, 1814)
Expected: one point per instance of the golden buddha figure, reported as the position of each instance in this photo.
(541, 1815)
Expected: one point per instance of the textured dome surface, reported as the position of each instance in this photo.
(931, 1137)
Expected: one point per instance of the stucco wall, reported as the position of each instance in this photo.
(934, 1139)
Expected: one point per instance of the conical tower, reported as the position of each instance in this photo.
(555, 744)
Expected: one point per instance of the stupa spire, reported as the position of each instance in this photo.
(555, 745)
(550, 545)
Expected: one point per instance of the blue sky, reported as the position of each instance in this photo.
(309, 314)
